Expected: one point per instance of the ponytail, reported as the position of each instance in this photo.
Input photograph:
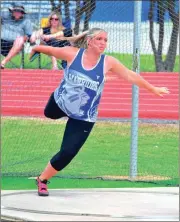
(81, 42)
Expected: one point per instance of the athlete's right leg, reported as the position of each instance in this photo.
(52, 110)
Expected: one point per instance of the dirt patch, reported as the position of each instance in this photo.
(138, 178)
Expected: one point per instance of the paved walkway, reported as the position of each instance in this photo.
(152, 204)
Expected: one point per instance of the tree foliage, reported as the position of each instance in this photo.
(82, 7)
(163, 7)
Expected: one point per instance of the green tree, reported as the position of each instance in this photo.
(86, 7)
(173, 10)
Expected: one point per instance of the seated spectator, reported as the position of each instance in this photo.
(16, 29)
(53, 36)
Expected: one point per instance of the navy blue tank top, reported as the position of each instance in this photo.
(79, 92)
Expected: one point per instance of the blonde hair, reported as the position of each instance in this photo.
(60, 27)
(82, 42)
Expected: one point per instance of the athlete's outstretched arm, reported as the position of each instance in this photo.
(132, 77)
(65, 53)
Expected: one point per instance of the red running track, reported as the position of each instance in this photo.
(25, 93)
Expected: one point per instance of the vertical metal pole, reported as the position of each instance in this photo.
(179, 66)
(39, 17)
(135, 90)
(39, 25)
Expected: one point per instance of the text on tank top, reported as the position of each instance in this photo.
(80, 90)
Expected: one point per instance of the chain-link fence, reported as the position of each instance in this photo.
(29, 143)
(159, 28)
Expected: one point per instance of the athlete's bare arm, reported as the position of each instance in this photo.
(115, 66)
(65, 53)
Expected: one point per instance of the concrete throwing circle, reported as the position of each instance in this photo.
(110, 204)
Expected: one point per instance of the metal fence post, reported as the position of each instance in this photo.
(39, 25)
(135, 90)
(40, 15)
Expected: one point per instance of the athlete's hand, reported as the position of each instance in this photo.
(160, 91)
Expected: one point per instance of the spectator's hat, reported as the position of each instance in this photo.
(17, 8)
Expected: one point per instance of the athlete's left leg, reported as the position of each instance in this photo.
(75, 135)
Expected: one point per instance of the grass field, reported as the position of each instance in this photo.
(147, 62)
(28, 144)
